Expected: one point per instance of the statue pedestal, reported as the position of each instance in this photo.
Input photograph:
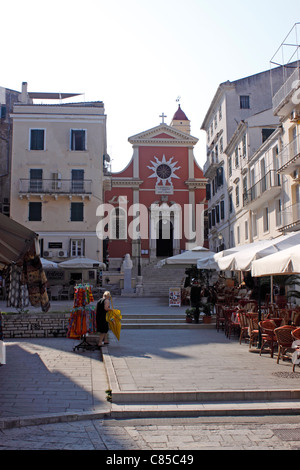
(128, 289)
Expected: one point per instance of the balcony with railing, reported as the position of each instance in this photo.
(282, 99)
(264, 190)
(55, 186)
(289, 157)
(211, 164)
(290, 218)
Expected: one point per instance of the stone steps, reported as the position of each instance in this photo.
(157, 281)
(165, 320)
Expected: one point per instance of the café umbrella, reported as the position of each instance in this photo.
(48, 264)
(242, 258)
(82, 263)
(284, 262)
(187, 258)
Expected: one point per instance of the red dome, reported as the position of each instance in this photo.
(179, 115)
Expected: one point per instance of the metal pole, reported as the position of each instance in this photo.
(139, 257)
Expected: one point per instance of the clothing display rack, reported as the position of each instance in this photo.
(83, 317)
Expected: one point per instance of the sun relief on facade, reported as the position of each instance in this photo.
(164, 170)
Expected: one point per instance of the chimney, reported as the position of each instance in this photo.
(24, 94)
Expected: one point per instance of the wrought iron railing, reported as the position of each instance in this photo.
(55, 186)
(270, 180)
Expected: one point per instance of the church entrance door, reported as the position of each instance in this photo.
(164, 241)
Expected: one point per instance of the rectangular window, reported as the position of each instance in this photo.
(245, 189)
(77, 247)
(35, 211)
(230, 166)
(266, 134)
(221, 145)
(213, 217)
(254, 225)
(217, 214)
(246, 230)
(208, 195)
(78, 139)
(236, 152)
(209, 220)
(244, 146)
(76, 211)
(36, 180)
(230, 203)
(237, 195)
(244, 102)
(278, 212)
(77, 181)
(37, 139)
(222, 210)
(266, 219)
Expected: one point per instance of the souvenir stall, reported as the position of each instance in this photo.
(83, 316)
(23, 277)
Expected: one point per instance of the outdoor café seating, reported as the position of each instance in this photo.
(253, 328)
(284, 340)
(233, 323)
(228, 311)
(244, 325)
(268, 337)
(296, 346)
(296, 333)
(220, 319)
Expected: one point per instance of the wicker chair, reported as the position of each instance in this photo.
(220, 319)
(296, 333)
(268, 336)
(284, 339)
(244, 333)
(234, 323)
(253, 328)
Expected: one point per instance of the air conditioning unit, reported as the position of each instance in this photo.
(5, 209)
(48, 254)
(62, 253)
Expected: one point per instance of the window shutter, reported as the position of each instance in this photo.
(208, 192)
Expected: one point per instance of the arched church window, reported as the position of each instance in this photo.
(118, 224)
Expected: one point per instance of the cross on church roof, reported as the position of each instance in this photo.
(163, 116)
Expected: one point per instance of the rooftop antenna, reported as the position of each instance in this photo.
(178, 99)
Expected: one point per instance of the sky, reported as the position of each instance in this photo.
(140, 56)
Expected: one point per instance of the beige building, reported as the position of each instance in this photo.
(253, 166)
(286, 105)
(58, 152)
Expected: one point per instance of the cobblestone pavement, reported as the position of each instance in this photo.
(177, 434)
(45, 377)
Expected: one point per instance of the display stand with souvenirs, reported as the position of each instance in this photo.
(83, 317)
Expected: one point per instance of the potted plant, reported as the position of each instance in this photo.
(189, 315)
(207, 310)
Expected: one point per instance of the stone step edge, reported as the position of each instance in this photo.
(52, 418)
(174, 410)
(205, 409)
(197, 397)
